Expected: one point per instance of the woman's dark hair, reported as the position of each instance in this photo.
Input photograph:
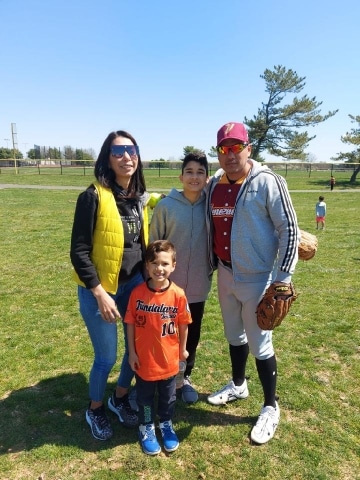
(105, 175)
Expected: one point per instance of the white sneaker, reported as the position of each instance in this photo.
(266, 424)
(229, 393)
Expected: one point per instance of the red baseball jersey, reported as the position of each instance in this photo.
(223, 202)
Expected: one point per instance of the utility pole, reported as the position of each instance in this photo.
(15, 143)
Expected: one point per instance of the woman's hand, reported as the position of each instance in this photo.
(106, 304)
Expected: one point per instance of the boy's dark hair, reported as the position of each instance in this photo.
(321, 198)
(198, 157)
(159, 246)
(104, 174)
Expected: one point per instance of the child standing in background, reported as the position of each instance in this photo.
(157, 321)
(332, 182)
(320, 211)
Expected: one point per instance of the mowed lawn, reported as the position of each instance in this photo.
(45, 357)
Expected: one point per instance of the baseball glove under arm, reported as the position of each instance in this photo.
(275, 305)
(307, 246)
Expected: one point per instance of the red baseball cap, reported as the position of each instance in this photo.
(236, 131)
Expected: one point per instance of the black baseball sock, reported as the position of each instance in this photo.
(238, 356)
(267, 371)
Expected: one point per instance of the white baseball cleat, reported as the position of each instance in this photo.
(229, 393)
(266, 424)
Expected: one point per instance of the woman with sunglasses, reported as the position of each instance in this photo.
(109, 237)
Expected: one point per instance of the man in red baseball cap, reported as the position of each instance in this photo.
(253, 235)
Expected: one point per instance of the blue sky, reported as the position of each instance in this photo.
(171, 73)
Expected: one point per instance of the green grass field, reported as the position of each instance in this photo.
(45, 357)
(166, 178)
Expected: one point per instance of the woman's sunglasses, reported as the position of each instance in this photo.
(119, 150)
(238, 148)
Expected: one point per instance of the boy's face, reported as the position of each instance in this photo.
(161, 267)
(194, 177)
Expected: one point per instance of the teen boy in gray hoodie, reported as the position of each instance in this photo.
(180, 218)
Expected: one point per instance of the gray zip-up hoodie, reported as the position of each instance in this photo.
(176, 219)
(264, 234)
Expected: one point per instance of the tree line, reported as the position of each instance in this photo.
(49, 153)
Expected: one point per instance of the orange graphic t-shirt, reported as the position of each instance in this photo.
(156, 316)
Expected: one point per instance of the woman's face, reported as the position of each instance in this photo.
(123, 161)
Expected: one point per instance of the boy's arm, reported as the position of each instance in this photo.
(183, 333)
(133, 358)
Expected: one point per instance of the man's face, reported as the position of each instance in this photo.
(234, 164)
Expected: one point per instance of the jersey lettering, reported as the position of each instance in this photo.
(221, 212)
(165, 311)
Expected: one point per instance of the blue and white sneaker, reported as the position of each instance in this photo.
(148, 440)
(170, 439)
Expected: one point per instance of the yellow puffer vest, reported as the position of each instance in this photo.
(108, 240)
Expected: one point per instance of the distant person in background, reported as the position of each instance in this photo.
(332, 182)
(108, 242)
(320, 212)
(180, 218)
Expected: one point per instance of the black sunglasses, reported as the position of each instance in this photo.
(119, 150)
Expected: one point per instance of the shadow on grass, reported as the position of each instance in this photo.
(52, 412)
(49, 412)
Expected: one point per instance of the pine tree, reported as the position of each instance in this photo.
(352, 138)
(275, 126)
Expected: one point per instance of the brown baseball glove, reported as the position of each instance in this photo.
(307, 246)
(274, 305)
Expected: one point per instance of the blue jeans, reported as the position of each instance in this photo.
(103, 336)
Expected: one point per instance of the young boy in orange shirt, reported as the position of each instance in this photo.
(157, 321)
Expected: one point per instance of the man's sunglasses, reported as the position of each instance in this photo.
(119, 150)
(238, 148)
